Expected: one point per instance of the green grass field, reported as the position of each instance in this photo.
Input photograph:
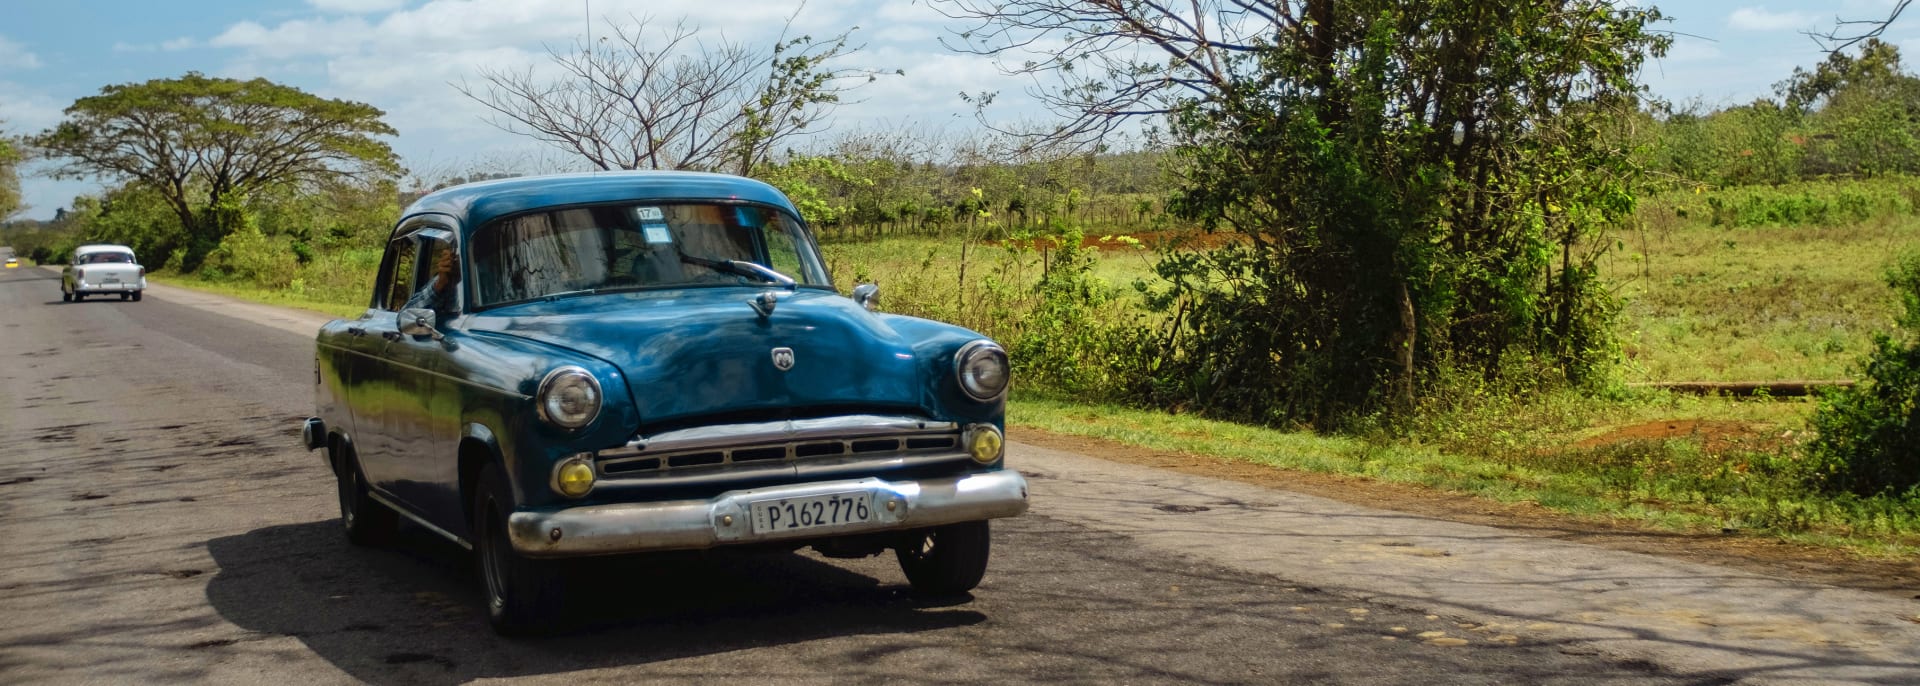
(1764, 303)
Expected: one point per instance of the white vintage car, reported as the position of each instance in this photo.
(100, 270)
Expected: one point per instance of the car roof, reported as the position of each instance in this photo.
(101, 247)
(475, 204)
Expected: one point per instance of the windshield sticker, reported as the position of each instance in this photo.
(653, 224)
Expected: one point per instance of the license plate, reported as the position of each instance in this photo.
(812, 512)
(110, 280)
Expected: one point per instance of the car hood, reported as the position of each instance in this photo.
(703, 352)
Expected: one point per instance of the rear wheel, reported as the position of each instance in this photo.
(66, 297)
(946, 560)
(78, 296)
(367, 521)
(136, 296)
(523, 594)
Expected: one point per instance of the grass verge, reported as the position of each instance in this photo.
(242, 291)
(1678, 483)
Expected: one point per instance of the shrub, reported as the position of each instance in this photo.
(250, 256)
(1869, 435)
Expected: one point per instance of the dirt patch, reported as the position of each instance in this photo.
(1714, 435)
(1185, 240)
(1899, 578)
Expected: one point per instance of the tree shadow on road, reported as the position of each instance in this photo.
(413, 613)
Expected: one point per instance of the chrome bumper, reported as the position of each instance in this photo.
(122, 287)
(726, 519)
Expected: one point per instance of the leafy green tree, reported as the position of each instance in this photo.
(1421, 185)
(9, 178)
(205, 144)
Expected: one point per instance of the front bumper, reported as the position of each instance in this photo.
(726, 519)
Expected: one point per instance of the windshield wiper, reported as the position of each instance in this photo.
(750, 270)
(568, 294)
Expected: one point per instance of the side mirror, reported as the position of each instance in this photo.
(868, 295)
(418, 321)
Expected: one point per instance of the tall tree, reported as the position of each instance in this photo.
(640, 99)
(9, 178)
(205, 144)
(1420, 183)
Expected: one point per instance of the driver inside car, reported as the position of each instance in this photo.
(437, 294)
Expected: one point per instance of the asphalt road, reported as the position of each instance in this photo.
(160, 523)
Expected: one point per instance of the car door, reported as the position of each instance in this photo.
(376, 390)
(427, 407)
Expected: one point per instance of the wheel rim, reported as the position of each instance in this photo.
(925, 548)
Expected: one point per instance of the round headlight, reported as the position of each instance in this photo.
(569, 398)
(573, 477)
(982, 368)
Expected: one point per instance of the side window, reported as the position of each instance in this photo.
(396, 281)
(437, 285)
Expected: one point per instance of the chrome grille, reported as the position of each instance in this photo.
(765, 447)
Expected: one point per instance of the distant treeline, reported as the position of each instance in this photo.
(1851, 116)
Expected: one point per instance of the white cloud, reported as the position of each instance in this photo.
(356, 6)
(294, 38)
(1761, 19)
(16, 56)
(174, 45)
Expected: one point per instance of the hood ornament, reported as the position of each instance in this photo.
(763, 303)
(783, 358)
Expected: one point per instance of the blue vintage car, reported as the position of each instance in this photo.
(608, 363)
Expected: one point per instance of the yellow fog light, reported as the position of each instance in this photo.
(984, 443)
(574, 477)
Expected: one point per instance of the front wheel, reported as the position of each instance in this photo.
(945, 560)
(523, 594)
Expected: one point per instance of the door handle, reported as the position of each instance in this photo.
(356, 331)
(391, 335)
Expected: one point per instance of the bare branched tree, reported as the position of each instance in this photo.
(1116, 59)
(1847, 33)
(640, 99)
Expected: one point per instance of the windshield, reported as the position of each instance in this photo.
(622, 247)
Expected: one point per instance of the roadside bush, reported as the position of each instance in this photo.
(250, 256)
(1869, 435)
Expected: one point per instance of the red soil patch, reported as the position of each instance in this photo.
(1713, 435)
(1185, 240)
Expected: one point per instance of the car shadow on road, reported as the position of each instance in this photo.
(412, 613)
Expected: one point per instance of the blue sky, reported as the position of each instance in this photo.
(401, 55)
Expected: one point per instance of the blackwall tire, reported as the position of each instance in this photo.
(366, 521)
(523, 595)
(946, 560)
